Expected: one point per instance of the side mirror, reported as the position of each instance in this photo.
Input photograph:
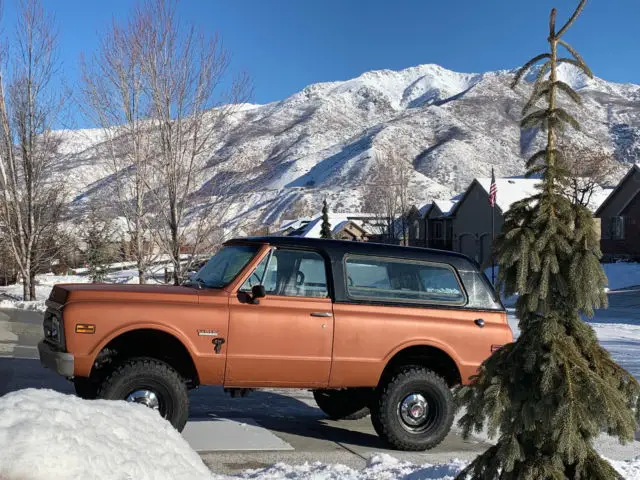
(257, 291)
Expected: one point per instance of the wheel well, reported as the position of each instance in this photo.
(149, 343)
(430, 357)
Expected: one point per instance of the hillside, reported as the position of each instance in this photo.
(321, 142)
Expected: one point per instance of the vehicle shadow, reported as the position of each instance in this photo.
(21, 373)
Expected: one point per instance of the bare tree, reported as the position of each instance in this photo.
(388, 194)
(589, 168)
(31, 202)
(118, 101)
(182, 72)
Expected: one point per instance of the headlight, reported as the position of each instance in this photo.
(55, 329)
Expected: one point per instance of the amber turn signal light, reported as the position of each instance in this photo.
(85, 328)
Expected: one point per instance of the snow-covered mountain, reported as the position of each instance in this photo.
(448, 127)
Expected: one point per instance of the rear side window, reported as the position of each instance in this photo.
(391, 279)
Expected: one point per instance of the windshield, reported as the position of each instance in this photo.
(225, 265)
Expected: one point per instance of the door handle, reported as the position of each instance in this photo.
(321, 314)
(479, 322)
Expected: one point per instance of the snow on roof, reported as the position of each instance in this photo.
(513, 189)
(422, 210)
(599, 196)
(445, 206)
(510, 190)
(337, 220)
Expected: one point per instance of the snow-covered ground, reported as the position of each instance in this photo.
(46, 435)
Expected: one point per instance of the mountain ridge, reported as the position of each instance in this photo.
(447, 127)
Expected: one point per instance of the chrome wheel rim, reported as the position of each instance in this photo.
(148, 398)
(413, 412)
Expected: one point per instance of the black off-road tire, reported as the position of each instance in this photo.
(150, 374)
(388, 422)
(347, 404)
(86, 388)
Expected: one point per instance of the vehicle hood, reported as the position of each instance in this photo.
(83, 292)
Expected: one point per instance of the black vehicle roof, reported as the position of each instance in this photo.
(336, 249)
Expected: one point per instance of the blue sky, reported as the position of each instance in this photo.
(287, 44)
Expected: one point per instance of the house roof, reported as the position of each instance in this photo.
(445, 206)
(510, 190)
(513, 189)
(311, 228)
(632, 171)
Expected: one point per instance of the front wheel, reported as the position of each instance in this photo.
(414, 411)
(151, 383)
(347, 404)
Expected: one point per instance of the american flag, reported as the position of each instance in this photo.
(493, 190)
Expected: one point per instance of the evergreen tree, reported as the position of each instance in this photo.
(555, 389)
(325, 231)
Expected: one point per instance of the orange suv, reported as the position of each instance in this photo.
(367, 327)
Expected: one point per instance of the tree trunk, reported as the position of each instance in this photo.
(32, 286)
(26, 287)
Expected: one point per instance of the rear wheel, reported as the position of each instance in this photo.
(415, 410)
(347, 404)
(151, 383)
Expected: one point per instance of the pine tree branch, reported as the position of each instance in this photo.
(572, 51)
(581, 66)
(571, 93)
(572, 19)
(525, 68)
(536, 156)
(561, 114)
(533, 119)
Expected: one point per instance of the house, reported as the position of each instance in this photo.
(431, 226)
(619, 216)
(344, 226)
(472, 215)
(464, 224)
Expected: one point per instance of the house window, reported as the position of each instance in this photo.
(416, 229)
(617, 228)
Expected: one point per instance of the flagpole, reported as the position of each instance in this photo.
(493, 191)
(493, 237)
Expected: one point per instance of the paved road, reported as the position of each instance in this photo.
(289, 414)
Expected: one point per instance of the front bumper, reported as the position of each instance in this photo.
(60, 362)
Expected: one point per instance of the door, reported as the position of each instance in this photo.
(286, 339)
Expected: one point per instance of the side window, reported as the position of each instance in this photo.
(291, 273)
(402, 281)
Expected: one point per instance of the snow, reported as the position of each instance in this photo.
(320, 142)
(379, 467)
(310, 226)
(47, 435)
(445, 206)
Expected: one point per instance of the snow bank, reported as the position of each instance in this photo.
(48, 435)
(379, 467)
